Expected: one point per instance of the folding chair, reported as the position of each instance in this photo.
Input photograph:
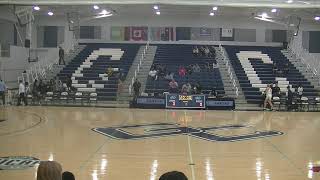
(93, 97)
(304, 103)
(78, 97)
(276, 101)
(64, 97)
(316, 103)
(48, 97)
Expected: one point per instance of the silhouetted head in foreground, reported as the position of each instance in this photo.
(67, 176)
(49, 170)
(173, 175)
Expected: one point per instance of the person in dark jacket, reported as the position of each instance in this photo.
(67, 176)
(136, 89)
(173, 175)
(289, 99)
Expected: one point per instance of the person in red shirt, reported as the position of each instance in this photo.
(173, 86)
(182, 71)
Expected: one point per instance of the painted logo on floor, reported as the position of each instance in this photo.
(17, 162)
(136, 132)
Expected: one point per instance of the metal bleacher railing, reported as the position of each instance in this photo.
(228, 65)
(138, 67)
(295, 49)
(40, 68)
(42, 65)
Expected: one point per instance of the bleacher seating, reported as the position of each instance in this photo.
(173, 56)
(88, 69)
(254, 69)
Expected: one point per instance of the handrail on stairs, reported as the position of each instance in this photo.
(296, 49)
(138, 67)
(231, 75)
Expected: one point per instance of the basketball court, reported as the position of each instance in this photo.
(96, 143)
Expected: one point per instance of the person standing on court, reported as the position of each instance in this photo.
(61, 56)
(136, 89)
(3, 89)
(268, 99)
(22, 94)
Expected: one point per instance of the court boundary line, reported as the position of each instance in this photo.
(19, 132)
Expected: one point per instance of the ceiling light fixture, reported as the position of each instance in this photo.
(317, 18)
(104, 12)
(289, 1)
(215, 8)
(96, 7)
(103, 15)
(211, 14)
(158, 13)
(264, 15)
(156, 7)
(50, 13)
(274, 10)
(36, 8)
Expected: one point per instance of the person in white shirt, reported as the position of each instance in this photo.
(22, 94)
(154, 74)
(300, 90)
(268, 100)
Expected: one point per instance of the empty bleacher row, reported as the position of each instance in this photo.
(254, 67)
(88, 70)
(174, 56)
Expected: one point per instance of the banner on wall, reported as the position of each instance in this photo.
(162, 34)
(205, 32)
(136, 33)
(226, 32)
(117, 33)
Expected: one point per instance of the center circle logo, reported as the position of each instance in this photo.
(18, 162)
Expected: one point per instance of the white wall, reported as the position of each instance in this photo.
(169, 21)
(12, 67)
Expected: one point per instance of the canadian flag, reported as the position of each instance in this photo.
(137, 33)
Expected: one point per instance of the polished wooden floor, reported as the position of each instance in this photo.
(65, 135)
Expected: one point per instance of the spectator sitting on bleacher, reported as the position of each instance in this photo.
(110, 71)
(189, 69)
(169, 76)
(186, 89)
(173, 86)
(182, 71)
(196, 68)
(195, 51)
(214, 92)
(197, 88)
(173, 175)
(215, 65)
(161, 69)
(153, 73)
